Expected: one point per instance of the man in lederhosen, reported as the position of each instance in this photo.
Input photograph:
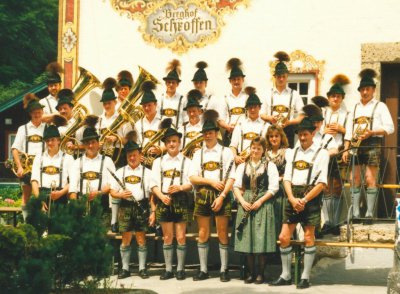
(200, 81)
(335, 119)
(283, 103)
(304, 180)
(89, 174)
(147, 126)
(232, 109)
(192, 128)
(53, 79)
(65, 108)
(212, 173)
(171, 102)
(124, 85)
(369, 121)
(249, 128)
(170, 182)
(134, 207)
(50, 171)
(29, 140)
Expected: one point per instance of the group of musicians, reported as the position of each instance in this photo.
(202, 153)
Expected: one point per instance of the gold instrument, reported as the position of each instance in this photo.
(363, 123)
(53, 187)
(127, 112)
(85, 83)
(88, 190)
(26, 162)
(193, 146)
(148, 157)
(282, 116)
(245, 153)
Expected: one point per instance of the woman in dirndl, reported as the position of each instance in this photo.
(277, 143)
(257, 181)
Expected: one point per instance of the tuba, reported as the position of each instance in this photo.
(86, 82)
(362, 126)
(127, 112)
(193, 145)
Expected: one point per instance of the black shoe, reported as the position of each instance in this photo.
(166, 275)
(367, 220)
(303, 284)
(115, 228)
(259, 280)
(180, 275)
(224, 276)
(281, 282)
(143, 274)
(250, 279)
(200, 276)
(124, 274)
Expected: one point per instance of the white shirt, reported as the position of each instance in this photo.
(189, 132)
(275, 98)
(45, 160)
(235, 104)
(146, 129)
(205, 101)
(135, 180)
(213, 158)
(299, 177)
(105, 122)
(171, 104)
(164, 166)
(272, 172)
(382, 119)
(63, 129)
(90, 165)
(246, 130)
(339, 116)
(50, 102)
(35, 134)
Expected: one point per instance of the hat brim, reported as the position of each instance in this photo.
(299, 128)
(163, 139)
(88, 138)
(171, 79)
(198, 106)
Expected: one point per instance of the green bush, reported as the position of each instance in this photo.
(73, 254)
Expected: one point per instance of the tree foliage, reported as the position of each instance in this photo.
(28, 38)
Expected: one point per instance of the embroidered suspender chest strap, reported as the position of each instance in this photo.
(310, 169)
(27, 142)
(141, 180)
(290, 102)
(371, 118)
(60, 173)
(100, 173)
(220, 163)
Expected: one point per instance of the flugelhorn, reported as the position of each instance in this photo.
(362, 127)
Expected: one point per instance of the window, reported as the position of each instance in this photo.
(10, 141)
(304, 84)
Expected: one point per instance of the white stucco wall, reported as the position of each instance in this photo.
(332, 31)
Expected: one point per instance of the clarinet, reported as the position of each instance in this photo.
(123, 186)
(246, 215)
(170, 184)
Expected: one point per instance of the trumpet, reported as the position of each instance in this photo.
(53, 187)
(193, 145)
(26, 162)
(362, 126)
